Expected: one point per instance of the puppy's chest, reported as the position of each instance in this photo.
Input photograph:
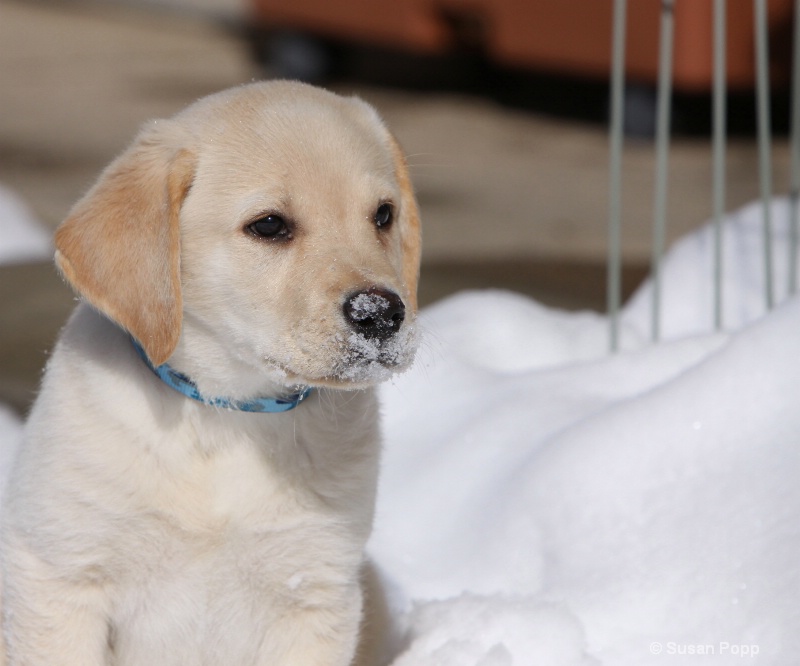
(235, 547)
(238, 491)
(221, 600)
(261, 482)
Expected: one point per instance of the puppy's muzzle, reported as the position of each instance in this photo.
(375, 313)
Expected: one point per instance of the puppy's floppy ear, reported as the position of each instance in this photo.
(411, 235)
(120, 245)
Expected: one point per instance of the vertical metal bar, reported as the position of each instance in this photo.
(764, 132)
(794, 173)
(614, 279)
(664, 104)
(718, 149)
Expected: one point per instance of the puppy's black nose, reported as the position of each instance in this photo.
(375, 312)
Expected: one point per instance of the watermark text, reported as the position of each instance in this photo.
(722, 648)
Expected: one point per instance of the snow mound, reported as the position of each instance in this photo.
(627, 510)
(688, 285)
(510, 333)
(489, 631)
(22, 238)
(10, 438)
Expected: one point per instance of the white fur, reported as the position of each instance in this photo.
(141, 527)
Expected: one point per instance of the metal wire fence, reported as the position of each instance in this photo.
(718, 143)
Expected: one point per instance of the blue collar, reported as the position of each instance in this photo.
(183, 384)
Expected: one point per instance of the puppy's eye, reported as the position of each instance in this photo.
(270, 226)
(384, 215)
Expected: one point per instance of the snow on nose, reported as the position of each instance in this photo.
(375, 313)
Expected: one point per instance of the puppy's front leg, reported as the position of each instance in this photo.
(323, 636)
(49, 620)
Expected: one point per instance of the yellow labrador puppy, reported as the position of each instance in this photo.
(197, 478)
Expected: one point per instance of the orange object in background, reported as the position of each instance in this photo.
(551, 36)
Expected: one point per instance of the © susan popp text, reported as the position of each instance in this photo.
(723, 648)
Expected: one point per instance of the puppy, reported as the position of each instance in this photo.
(197, 478)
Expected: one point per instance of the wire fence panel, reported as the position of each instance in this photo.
(719, 155)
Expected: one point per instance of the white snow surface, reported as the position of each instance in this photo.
(545, 503)
(22, 238)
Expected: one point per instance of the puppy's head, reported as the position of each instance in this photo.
(268, 232)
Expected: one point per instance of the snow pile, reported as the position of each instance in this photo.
(21, 239)
(688, 286)
(10, 439)
(21, 236)
(10, 436)
(544, 503)
(490, 631)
